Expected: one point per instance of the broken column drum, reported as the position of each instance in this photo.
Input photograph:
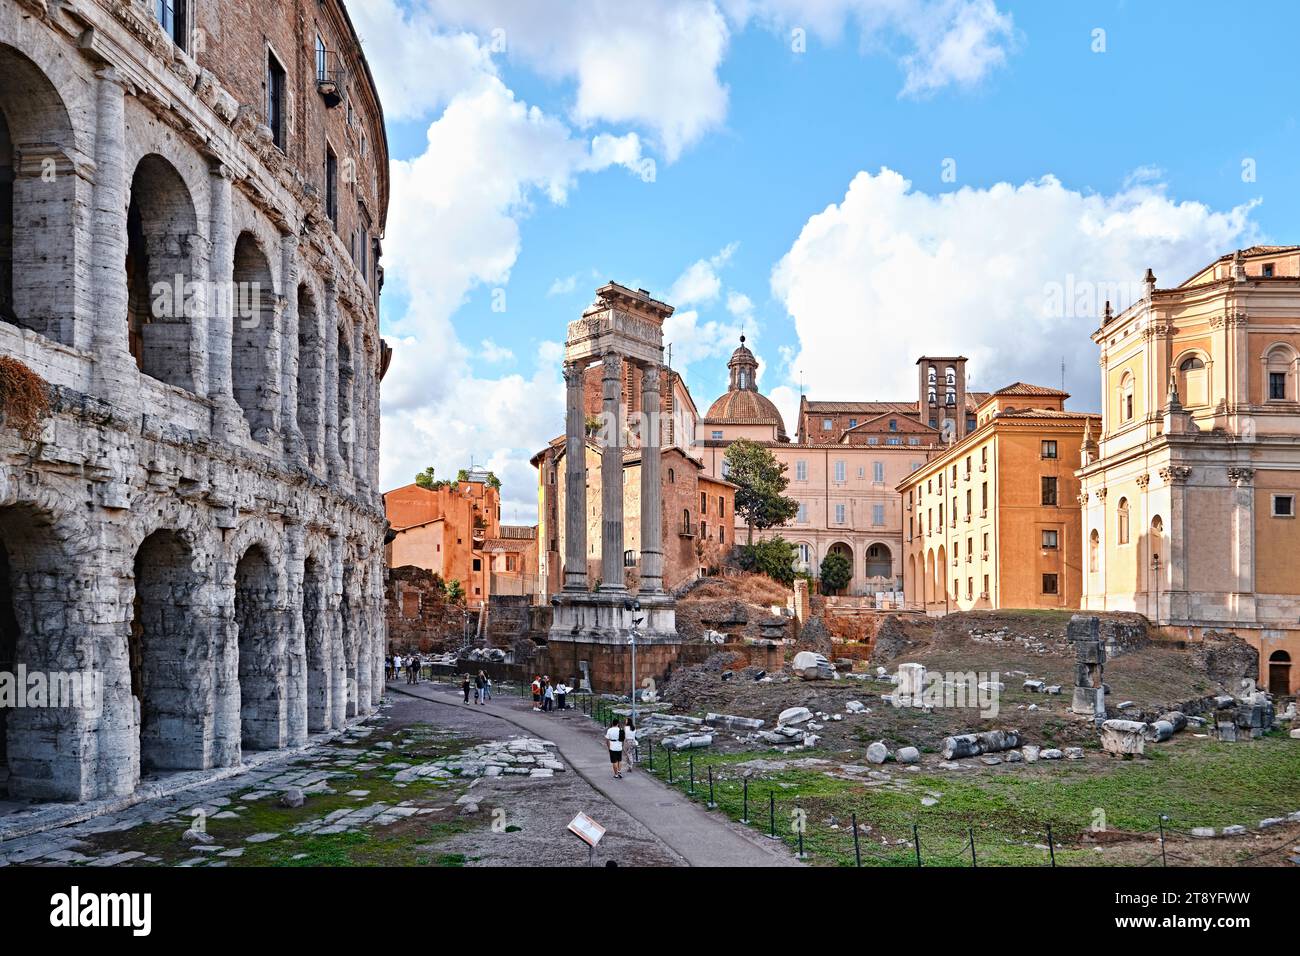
(1084, 632)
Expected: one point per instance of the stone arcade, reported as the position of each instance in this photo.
(591, 628)
(198, 521)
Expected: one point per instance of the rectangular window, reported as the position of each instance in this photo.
(1267, 270)
(1284, 506)
(801, 471)
(1049, 449)
(722, 506)
(839, 471)
(275, 99)
(171, 14)
(717, 436)
(862, 472)
(877, 471)
(322, 60)
(984, 496)
(826, 424)
(873, 440)
(1049, 584)
(1049, 540)
(1277, 386)
(893, 424)
(986, 587)
(839, 514)
(722, 534)
(893, 440)
(970, 588)
(478, 564)
(913, 440)
(704, 502)
(967, 502)
(802, 516)
(853, 423)
(331, 186)
(1049, 490)
(878, 515)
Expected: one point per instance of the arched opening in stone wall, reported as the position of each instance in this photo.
(1279, 673)
(38, 202)
(8, 653)
(161, 228)
(315, 620)
(165, 656)
(880, 561)
(311, 373)
(6, 222)
(251, 370)
(261, 683)
(345, 397)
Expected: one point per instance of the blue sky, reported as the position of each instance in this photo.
(800, 195)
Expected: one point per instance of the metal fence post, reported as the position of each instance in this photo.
(857, 850)
(1051, 845)
(744, 813)
(712, 803)
(771, 814)
(1164, 860)
(670, 766)
(650, 745)
(916, 843)
(690, 760)
(971, 831)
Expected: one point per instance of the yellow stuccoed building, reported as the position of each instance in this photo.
(993, 522)
(1189, 498)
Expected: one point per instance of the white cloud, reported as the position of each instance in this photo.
(1011, 276)
(563, 286)
(453, 227)
(700, 282)
(937, 43)
(418, 66)
(493, 353)
(653, 65)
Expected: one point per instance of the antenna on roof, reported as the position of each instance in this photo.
(801, 383)
(1062, 373)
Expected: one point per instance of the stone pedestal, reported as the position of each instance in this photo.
(596, 628)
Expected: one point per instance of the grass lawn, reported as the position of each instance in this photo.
(1008, 808)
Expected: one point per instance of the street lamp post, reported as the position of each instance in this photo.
(631, 639)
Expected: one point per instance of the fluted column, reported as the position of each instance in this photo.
(107, 279)
(575, 482)
(652, 527)
(611, 476)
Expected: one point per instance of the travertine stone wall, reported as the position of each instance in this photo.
(197, 526)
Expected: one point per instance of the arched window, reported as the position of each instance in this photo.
(932, 385)
(1193, 384)
(1094, 548)
(252, 301)
(1280, 374)
(686, 521)
(1122, 536)
(950, 387)
(1126, 397)
(161, 229)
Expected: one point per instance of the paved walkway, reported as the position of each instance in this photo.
(701, 838)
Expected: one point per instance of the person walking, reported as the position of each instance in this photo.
(464, 687)
(487, 687)
(629, 744)
(561, 695)
(537, 691)
(614, 744)
(548, 697)
(397, 665)
(480, 694)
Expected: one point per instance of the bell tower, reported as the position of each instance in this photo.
(941, 396)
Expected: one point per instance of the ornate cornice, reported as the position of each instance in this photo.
(1175, 474)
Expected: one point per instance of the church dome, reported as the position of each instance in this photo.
(742, 403)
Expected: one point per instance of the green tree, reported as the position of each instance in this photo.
(425, 478)
(774, 557)
(455, 593)
(836, 572)
(760, 485)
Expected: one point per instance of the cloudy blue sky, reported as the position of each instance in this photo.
(851, 182)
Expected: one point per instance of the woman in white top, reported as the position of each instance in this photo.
(629, 744)
(614, 744)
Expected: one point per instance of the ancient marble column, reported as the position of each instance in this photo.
(107, 278)
(226, 415)
(575, 482)
(611, 476)
(652, 528)
(295, 448)
(331, 342)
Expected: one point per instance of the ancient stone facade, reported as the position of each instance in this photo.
(191, 196)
